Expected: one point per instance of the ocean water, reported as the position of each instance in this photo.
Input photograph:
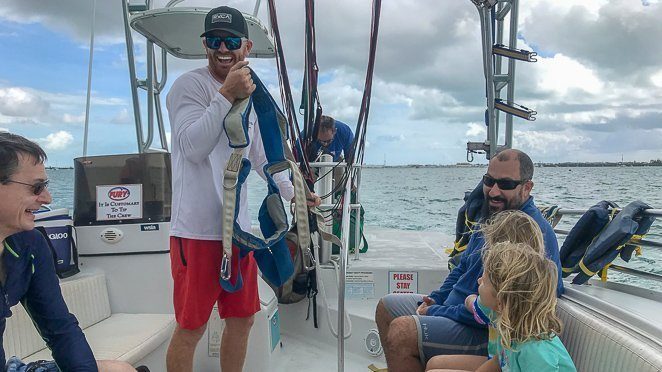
(425, 198)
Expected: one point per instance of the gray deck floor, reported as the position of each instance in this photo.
(423, 250)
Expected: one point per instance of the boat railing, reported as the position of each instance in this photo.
(325, 188)
(643, 243)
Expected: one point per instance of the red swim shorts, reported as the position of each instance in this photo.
(195, 266)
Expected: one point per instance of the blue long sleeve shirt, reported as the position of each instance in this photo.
(342, 142)
(31, 280)
(463, 280)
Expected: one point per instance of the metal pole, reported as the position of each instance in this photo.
(89, 79)
(344, 249)
(132, 74)
(325, 187)
(357, 221)
(510, 95)
(486, 23)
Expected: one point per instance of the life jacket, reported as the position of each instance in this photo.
(617, 237)
(582, 234)
(467, 217)
(551, 214)
(271, 252)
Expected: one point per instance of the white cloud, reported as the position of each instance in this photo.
(600, 69)
(476, 129)
(57, 141)
(548, 143)
(73, 119)
(122, 117)
(657, 79)
(22, 102)
(561, 74)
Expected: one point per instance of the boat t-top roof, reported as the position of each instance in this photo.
(177, 30)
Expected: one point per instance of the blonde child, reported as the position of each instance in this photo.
(517, 297)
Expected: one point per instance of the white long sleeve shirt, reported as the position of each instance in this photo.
(200, 152)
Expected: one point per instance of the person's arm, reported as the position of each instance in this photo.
(440, 295)
(492, 365)
(196, 124)
(552, 252)
(258, 158)
(347, 148)
(458, 313)
(47, 309)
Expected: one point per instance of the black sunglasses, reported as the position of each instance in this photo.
(231, 42)
(37, 187)
(504, 183)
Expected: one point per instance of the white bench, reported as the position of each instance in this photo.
(126, 337)
(598, 344)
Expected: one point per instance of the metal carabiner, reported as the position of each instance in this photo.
(226, 267)
(310, 255)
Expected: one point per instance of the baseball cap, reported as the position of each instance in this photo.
(227, 19)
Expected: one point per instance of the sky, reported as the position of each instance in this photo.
(597, 85)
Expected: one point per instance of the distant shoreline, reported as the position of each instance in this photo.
(652, 163)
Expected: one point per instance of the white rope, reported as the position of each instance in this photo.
(322, 292)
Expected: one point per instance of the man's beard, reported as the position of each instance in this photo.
(489, 211)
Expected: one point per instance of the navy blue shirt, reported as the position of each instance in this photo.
(463, 280)
(31, 280)
(342, 142)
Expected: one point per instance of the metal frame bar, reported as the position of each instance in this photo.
(151, 84)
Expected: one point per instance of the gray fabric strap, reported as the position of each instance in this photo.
(233, 122)
(230, 198)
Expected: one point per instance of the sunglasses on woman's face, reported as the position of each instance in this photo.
(231, 42)
(503, 183)
(37, 187)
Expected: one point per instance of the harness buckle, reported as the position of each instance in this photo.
(310, 255)
(226, 267)
(232, 170)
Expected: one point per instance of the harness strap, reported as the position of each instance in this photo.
(230, 181)
(271, 252)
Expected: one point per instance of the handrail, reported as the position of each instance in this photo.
(642, 242)
(646, 212)
(635, 272)
(321, 164)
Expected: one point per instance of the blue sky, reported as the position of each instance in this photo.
(597, 85)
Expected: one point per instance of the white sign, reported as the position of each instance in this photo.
(360, 285)
(403, 281)
(119, 202)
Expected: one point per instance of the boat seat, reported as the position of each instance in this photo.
(125, 337)
(598, 344)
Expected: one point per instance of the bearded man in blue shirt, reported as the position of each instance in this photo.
(414, 327)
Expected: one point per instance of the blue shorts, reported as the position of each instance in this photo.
(16, 365)
(437, 335)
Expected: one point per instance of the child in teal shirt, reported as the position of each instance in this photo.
(517, 298)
